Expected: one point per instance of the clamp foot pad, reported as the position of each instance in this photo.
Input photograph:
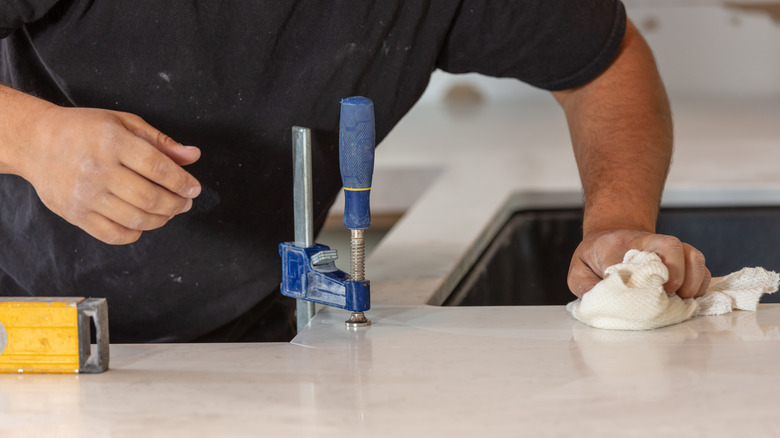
(357, 319)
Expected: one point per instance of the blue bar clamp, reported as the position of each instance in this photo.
(309, 271)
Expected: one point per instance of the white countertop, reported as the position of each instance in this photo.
(428, 370)
(419, 371)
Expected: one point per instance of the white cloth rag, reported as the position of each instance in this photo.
(632, 296)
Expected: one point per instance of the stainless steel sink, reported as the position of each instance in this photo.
(528, 260)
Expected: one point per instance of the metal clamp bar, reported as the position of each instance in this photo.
(303, 208)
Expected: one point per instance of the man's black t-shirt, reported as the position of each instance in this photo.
(232, 78)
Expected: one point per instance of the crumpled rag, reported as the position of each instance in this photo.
(632, 297)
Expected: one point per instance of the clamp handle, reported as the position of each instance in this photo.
(356, 157)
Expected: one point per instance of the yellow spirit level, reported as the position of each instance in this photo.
(53, 335)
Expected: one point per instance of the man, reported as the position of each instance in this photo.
(96, 201)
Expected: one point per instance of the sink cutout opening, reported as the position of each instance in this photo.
(527, 262)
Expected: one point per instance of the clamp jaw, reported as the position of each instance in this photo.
(311, 274)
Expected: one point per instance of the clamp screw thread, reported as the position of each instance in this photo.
(357, 256)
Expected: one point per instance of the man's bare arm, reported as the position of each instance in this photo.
(108, 172)
(621, 129)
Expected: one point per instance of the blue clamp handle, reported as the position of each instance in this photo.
(356, 157)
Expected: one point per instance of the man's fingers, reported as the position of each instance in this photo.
(581, 277)
(181, 155)
(142, 158)
(705, 284)
(108, 231)
(129, 216)
(697, 276)
(670, 250)
(688, 274)
(145, 195)
(184, 155)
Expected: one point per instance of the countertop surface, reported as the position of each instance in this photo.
(530, 371)
(421, 369)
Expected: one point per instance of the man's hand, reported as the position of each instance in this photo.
(107, 172)
(688, 275)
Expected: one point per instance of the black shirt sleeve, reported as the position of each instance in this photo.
(551, 44)
(15, 13)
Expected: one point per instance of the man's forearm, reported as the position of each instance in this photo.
(621, 129)
(18, 112)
